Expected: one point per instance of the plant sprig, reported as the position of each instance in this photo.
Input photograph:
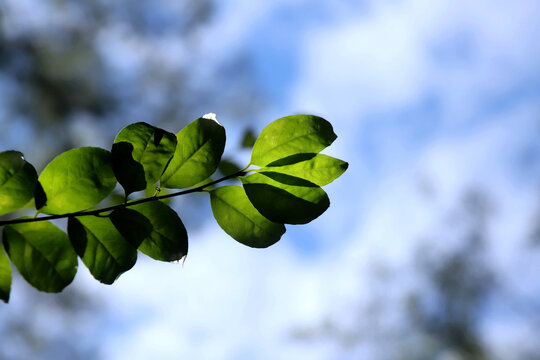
(284, 188)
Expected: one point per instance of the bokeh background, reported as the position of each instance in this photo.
(431, 247)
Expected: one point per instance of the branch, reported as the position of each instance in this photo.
(97, 212)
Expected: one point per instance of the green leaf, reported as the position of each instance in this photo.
(101, 247)
(238, 217)
(140, 154)
(159, 191)
(168, 240)
(77, 179)
(133, 226)
(284, 198)
(5, 276)
(17, 181)
(199, 149)
(42, 254)
(291, 135)
(317, 168)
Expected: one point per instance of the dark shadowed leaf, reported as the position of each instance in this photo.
(317, 168)
(101, 247)
(42, 254)
(197, 155)
(133, 226)
(17, 181)
(292, 135)
(168, 240)
(284, 198)
(5, 276)
(238, 217)
(40, 198)
(140, 154)
(77, 179)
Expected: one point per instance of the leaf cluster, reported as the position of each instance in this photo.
(281, 185)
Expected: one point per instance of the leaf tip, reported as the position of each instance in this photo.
(180, 261)
(211, 116)
(5, 299)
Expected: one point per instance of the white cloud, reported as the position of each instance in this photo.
(462, 51)
(373, 61)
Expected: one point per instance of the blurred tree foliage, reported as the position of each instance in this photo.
(103, 64)
(117, 62)
(435, 309)
(459, 284)
(44, 327)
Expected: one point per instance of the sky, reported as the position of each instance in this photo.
(429, 100)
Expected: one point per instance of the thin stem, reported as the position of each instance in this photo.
(97, 212)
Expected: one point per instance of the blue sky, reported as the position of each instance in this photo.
(421, 93)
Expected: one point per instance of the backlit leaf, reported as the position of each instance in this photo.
(291, 135)
(77, 179)
(101, 247)
(168, 240)
(238, 217)
(284, 198)
(317, 168)
(140, 154)
(42, 254)
(199, 149)
(5, 276)
(17, 181)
